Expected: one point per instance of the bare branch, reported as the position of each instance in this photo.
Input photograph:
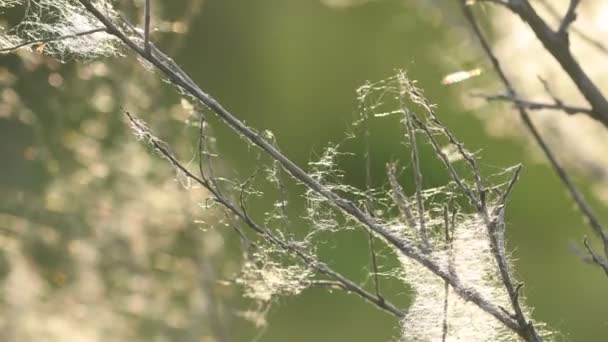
(595, 258)
(568, 19)
(399, 197)
(417, 176)
(446, 162)
(264, 232)
(505, 194)
(535, 105)
(578, 197)
(558, 45)
(582, 35)
(368, 205)
(495, 223)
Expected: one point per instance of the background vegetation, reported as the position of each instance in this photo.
(70, 169)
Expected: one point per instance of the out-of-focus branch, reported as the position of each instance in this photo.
(595, 258)
(569, 18)
(558, 44)
(582, 35)
(578, 197)
(535, 105)
(495, 223)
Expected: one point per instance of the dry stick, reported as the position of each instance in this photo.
(182, 80)
(204, 154)
(368, 186)
(493, 223)
(372, 249)
(207, 153)
(329, 283)
(569, 18)
(277, 179)
(411, 133)
(54, 39)
(510, 186)
(594, 257)
(459, 146)
(399, 197)
(527, 330)
(590, 40)
(496, 229)
(553, 43)
(535, 105)
(417, 98)
(263, 231)
(446, 162)
(512, 291)
(557, 43)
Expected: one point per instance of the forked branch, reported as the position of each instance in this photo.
(561, 50)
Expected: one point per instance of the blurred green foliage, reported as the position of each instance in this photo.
(69, 163)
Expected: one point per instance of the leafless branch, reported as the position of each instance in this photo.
(505, 194)
(368, 205)
(595, 258)
(558, 45)
(460, 182)
(578, 197)
(582, 35)
(535, 105)
(262, 231)
(399, 197)
(411, 133)
(493, 224)
(569, 18)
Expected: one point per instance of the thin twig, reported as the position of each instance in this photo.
(569, 18)
(328, 283)
(558, 45)
(601, 262)
(263, 231)
(578, 197)
(368, 204)
(495, 223)
(372, 250)
(446, 162)
(411, 133)
(505, 194)
(54, 39)
(399, 197)
(535, 105)
(584, 36)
